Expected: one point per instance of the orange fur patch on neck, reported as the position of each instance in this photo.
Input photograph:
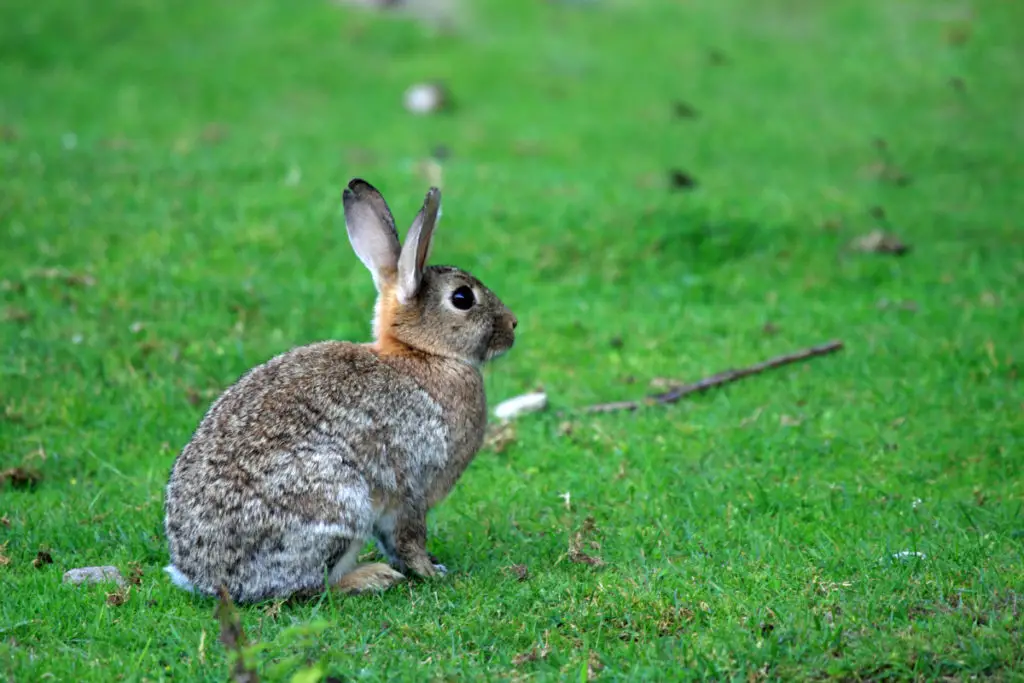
(386, 344)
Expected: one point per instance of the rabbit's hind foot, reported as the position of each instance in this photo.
(375, 577)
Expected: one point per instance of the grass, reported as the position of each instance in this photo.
(170, 216)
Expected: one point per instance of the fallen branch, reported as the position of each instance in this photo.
(232, 635)
(722, 378)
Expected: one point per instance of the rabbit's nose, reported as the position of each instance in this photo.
(515, 321)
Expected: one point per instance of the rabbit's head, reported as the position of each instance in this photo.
(439, 310)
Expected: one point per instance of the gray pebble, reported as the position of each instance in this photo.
(94, 575)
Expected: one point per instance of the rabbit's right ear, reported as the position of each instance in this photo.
(371, 230)
(417, 246)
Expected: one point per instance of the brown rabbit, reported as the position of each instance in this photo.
(326, 446)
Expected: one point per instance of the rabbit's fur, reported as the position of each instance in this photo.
(326, 446)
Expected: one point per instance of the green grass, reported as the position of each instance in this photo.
(190, 158)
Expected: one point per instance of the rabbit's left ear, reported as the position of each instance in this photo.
(371, 230)
(416, 249)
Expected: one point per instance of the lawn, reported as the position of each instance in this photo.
(660, 191)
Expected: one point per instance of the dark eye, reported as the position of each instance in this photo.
(463, 299)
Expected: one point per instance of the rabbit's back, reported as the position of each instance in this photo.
(301, 453)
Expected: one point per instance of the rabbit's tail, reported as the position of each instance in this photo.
(368, 577)
(179, 579)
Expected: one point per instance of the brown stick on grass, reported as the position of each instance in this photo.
(722, 378)
(232, 635)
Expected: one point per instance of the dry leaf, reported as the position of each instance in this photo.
(69, 278)
(4, 559)
(214, 133)
(42, 557)
(274, 609)
(431, 171)
(594, 666)
(752, 418)
(5, 521)
(500, 436)
(888, 173)
(880, 242)
(532, 655)
(958, 33)
(135, 573)
(906, 305)
(789, 421)
(16, 314)
(576, 543)
(621, 474)
(118, 597)
(519, 571)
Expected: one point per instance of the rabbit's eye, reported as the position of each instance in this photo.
(463, 299)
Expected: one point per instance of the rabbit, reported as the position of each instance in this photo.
(327, 446)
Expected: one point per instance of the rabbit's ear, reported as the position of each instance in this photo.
(371, 230)
(417, 246)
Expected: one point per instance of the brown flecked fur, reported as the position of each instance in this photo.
(309, 455)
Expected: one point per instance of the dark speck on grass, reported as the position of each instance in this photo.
(958, 33)
(683, 110)
(214, 133)
(681, 180)
(717, 58)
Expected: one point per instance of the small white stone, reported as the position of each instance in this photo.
(424, 98)
(527, 403)
(94, 575)
(907, 554)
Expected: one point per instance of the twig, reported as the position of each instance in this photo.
(717, 380)
(232, 636)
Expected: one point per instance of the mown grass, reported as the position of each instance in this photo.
(170, 215)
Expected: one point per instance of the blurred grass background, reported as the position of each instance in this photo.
(170, 216)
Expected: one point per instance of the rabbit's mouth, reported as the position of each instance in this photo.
(500, 344)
